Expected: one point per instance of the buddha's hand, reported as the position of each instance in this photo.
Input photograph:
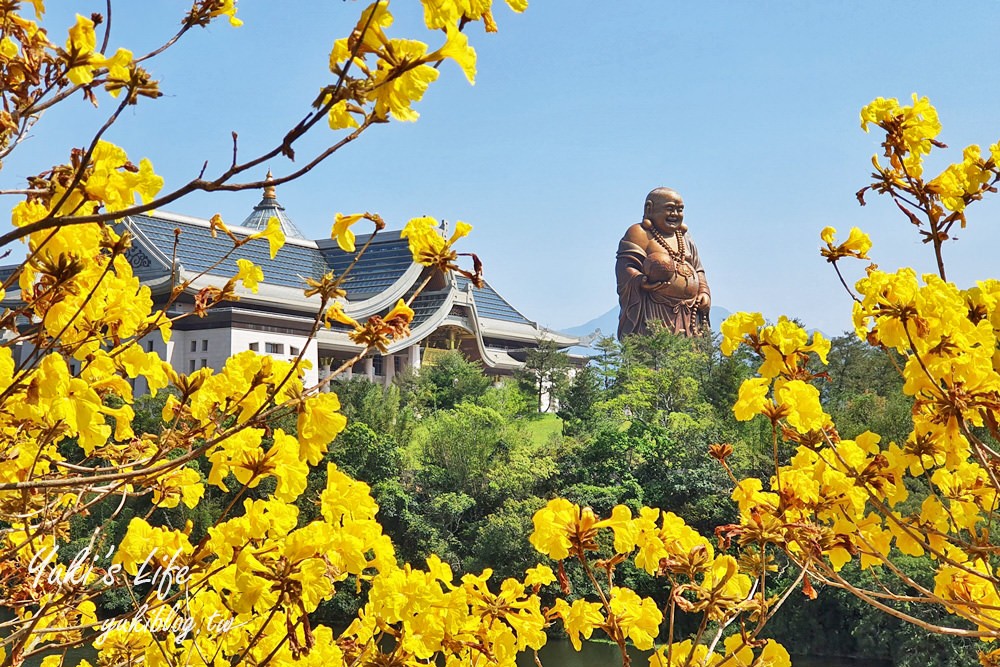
(703, 302)
(647, 285)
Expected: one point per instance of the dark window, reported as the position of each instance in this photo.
(192, 366)
(204, 363)
(255, 347)
(274, 348)
(294, 351)
(194, 346)
(377, 365)
(149, 345)
(204, 345)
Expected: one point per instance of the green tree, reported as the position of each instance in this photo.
(545, 373)
(444, 384)
(381, 408)
(578, 401)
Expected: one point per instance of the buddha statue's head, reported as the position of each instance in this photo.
(664, 210)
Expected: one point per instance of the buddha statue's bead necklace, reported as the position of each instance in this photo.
(678, 255)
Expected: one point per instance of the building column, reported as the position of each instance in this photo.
(389, 368)
(414, 357)
(369, 369)
(327, 368)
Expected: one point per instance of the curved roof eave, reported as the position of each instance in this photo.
(386, 299)
(427, 327)
(533, 334)
(526, 331)
(492, 358)
(271, 294)
(500, 359)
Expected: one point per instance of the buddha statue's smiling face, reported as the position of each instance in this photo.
(665, 209)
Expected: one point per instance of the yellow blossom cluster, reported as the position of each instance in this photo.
(910, 135)
(911, 129)
(397, 72)
(78, 318)
(785, 349)
(663, 544)
(933, 495)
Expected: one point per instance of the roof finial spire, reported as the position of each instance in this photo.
(269, 189)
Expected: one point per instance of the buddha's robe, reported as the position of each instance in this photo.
(672, 303)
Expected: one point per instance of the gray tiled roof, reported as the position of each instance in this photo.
(426, 305)
(383, 263)
(197, 251)
(491, 305)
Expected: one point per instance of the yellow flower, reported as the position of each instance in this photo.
(736, 326)
(275, 237)
(400, 310)
(340, 118)
(858, 243)
(683, 654)
(440, 14)
(176, 486)
(912, 130)
(457, 48)
(424, 239)
(216, 223)
(827, 235)
(737, 647)
(427, 245)
(774, 655)
(638, 618)
(342, 230)
(249, 273)
(335, 313)
(540, 575)
(802, 400)
(752, 398)
(226, 8)
(8, 49)
(319, 422)
(113, 182)
(579, 619)
(552, 527)
(285, 461)
(786, 336)
(345, 499)
(820, 345)
(80, 45)
(394, 89)
(625, 528)
(961, 179)
(119, 72)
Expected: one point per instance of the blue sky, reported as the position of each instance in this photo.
(750, 110)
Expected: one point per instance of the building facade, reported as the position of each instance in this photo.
(450, 313)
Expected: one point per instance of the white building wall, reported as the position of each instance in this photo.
(200, 349)
(191, 350)
(242, 339)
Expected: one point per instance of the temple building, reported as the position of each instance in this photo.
(450, 313)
